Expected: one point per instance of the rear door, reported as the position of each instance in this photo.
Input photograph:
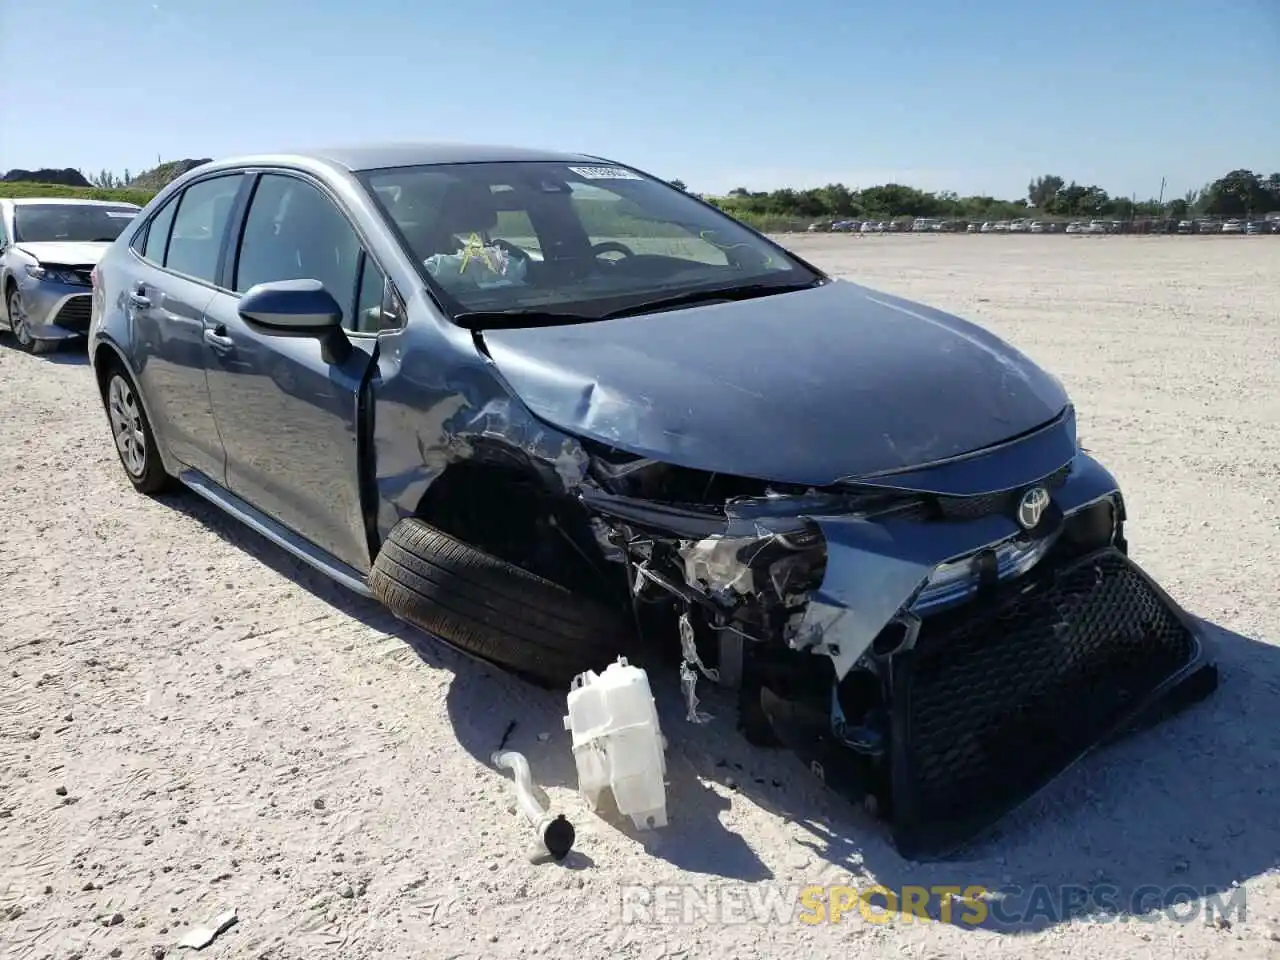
(173, 277)
(288, 407)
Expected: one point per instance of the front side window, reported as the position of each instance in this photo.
(199, 226)
(506, 241)
(294, 232)
(69, 222)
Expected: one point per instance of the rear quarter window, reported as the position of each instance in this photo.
(195, 242)
(155, 238)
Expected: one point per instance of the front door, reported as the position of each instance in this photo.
(287, 407)
(170, 287)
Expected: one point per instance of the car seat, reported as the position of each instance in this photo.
(465, 209)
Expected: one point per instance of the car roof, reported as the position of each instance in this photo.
(374, 156)
(70, 201)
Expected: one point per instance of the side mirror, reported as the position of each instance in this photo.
(299, 307)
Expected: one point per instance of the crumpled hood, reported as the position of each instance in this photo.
(810, 387)
(66, 254)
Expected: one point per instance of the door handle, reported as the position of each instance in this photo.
(138, 298)
(216, 337)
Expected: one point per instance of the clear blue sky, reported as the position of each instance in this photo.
(976, 96)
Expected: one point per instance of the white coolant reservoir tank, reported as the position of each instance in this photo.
(618, 743)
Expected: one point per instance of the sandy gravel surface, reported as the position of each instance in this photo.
(190, 721)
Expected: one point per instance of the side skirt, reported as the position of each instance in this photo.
(281, 536)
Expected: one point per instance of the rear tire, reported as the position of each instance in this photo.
(494, 610)
(131, 432)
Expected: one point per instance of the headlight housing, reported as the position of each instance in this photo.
(54, 274)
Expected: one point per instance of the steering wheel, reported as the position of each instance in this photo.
(511, 248)
(611, 246)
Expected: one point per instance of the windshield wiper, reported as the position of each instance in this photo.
(515, 319)
(747, 291)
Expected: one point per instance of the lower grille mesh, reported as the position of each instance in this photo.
(75, 314)
(999, 703)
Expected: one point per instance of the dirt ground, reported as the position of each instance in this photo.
(190, 721)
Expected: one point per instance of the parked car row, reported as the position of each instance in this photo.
(485, 387)
(1253, 227)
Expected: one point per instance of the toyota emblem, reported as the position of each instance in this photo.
(1032, 507)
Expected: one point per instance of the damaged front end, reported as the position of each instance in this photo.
(937, 656)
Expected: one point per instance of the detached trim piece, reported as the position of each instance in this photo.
(992, 705)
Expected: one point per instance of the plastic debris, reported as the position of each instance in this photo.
(197, 938)
(689, 688)
(555, 834)
(618, 743)
(689, 679)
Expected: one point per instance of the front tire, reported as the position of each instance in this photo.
(134, 440)
(22, 330)
(493, 610)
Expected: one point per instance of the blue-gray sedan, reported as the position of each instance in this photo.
(552, 409)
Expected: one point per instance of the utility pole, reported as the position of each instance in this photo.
(1161, 192)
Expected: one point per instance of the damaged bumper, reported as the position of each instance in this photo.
(993, 704)
(988, 702)
(972, 657)
(878, 566)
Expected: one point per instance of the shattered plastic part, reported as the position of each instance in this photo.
(688, 678)
(714, 561)
(199, 937)
(689, 687)
(689, 649)
(876, 567)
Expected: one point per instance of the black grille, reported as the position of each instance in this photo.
(75, 314)
(998, 702)
(983, 505)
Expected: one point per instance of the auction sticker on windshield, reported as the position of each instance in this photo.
(604, 173)
(122, 214)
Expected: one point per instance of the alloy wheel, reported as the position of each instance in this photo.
(18, 320)
(126, 425)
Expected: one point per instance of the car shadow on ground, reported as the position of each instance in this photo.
(1180, 810)
(64, 355)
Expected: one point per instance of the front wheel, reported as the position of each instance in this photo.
(135, 443)
(21, 328)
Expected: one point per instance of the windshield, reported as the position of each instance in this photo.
(69, 222)
(570, 239)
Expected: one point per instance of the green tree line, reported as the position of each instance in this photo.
(1238, 193)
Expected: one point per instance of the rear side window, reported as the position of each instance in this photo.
(158, 233)
(199, 226)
